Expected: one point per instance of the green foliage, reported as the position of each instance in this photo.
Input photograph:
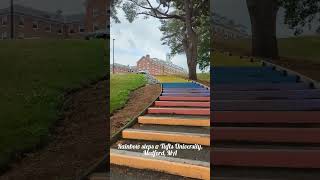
(299, 14)
(172, 14)
(33, 84)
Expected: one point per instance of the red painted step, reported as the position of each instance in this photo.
(285, 158)
(181, 104)
(181, 98)
(182, 111)
(265, 117)
(272, 135)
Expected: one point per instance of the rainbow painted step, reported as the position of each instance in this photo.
(180, 115)
(183, 98)
(283, 158)
(181, 104)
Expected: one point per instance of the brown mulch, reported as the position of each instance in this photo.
(79, 140)
(138, 101)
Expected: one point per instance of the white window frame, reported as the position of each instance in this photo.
(21, 35)
(4, 35)
(95, 25)
(37, 23)
(50, 28)
(60, 27)
(4, 19)
(21, 18)
(81, 27)
(95, 12)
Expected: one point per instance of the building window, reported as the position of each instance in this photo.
(71, 30)
(49, 28)
(35, 25)
(21, 21)
(21, 36)
(4, 20)
(95, 12)
(95, 27)
(81, 28)
(4, 35)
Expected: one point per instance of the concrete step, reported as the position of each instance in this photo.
(181, 104)
(167, 134)
(128, 173)
(181, 111)
(183, 98)
(175, 120)
(192, 154)
(176, 166)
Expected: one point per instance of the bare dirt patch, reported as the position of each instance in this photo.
(305, 67)
(79, 140)
(138, 101)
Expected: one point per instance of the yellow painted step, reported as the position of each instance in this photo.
(167, 136)
(176, 166)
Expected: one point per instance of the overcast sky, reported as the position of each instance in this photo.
(134, 40)
(67, 6)
(237, 10)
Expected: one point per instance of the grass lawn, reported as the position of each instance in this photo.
(173, 78)
(120, 87)
(220, 59)
(304, 47)
(204, 77)
(34, 76)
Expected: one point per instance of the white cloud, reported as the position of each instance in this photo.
(134, 40)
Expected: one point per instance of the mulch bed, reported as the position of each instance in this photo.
(138, 101)
(78, 142)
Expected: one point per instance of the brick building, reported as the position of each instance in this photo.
(120, 68)
(158, 67)
(30, 23)
(224, 28)
(97, 15)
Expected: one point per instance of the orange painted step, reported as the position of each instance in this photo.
(181, 104)
(181, 98)
(175, 121)
(182, 111)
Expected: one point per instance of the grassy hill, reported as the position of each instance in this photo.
(304, 47)
(34, 76)
(120, 87)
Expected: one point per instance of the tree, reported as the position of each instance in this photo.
(183, 12)
(263, 16)
(173, 36)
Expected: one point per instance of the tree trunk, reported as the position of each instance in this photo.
(190, 42)
(263, 16)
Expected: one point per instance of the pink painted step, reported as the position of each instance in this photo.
(181, 111)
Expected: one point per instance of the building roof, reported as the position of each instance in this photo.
(52, 16)
(165, 63)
